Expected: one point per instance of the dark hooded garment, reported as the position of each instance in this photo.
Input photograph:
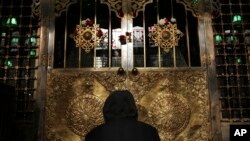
(121, 124)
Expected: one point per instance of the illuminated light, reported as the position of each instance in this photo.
(14, 41)
(218, 38)
(8, 63)
(32, 52)
(33, 41)
(232, 38)
(11, 21)
(238, 60)
(237, 18)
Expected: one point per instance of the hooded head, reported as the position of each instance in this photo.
(120, 104)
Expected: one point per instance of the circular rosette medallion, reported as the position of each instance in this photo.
(84, 113)
(165, 35)
(87, 35)
(170, 114)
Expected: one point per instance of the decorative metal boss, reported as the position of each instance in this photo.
(165, 34)
(87, 35)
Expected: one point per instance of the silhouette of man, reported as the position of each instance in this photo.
(121, 124)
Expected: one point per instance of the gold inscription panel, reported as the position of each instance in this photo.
(175, 102)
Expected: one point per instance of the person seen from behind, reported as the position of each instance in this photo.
(121, 121)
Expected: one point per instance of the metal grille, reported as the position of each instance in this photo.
(232, 45)
(108, 54)
(18, 57)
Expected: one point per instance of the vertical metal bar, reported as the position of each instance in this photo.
(110, 38)
(144, 38)
(173, 33)
(159, 48)
(95, 21)
(79, 49)
(65, 39)
(174, 53)
(212, 79)
(238, 78)
(51, 43)
(47, 10)
(202, 41)
(95, 17)
(187, 38)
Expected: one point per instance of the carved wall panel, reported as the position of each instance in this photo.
(175, 102)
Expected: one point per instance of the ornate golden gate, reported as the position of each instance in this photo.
(175, 101)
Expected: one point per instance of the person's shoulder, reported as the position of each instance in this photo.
(146, 125)
(96, 129)
(91, 135)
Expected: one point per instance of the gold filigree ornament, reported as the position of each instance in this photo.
(88, 35)
(165, 34)
(130, 8)
(170, 113)
(84, 113)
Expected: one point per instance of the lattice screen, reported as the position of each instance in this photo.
(18, 54)
(232, 45)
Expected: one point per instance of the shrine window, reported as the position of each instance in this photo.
(141, 49)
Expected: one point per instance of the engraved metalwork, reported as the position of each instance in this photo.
(62, 5)
(206, 59)
(36, 12)
(129, 7)
(170, 113)
(86, 37)
(199, 7)
(84, 113)
(166, 36)
(175, 102)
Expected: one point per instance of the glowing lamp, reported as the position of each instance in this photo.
(8, 63)
(11, 21)
(218, 38)
(237, 18)
(238, 60)
(32, 52)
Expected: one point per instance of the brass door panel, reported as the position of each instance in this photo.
(175, 102)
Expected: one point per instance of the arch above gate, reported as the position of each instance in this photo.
(130, 7)
(199, 7)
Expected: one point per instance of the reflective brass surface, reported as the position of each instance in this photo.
(175, 102)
